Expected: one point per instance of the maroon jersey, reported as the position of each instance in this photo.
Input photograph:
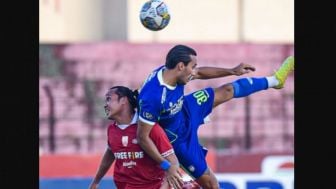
(133, 168)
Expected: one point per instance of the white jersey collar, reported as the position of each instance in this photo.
(160, 78)
(134, 121)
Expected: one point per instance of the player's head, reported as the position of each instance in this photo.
(183, 60)
(118, 99)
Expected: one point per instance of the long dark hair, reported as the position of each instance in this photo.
(132, 96)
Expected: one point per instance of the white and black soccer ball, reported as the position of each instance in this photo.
(154, 15)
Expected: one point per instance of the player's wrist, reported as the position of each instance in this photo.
(233, 71)
(165, 165)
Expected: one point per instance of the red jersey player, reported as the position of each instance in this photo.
(133, 168)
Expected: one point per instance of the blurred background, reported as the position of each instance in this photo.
(88, 46)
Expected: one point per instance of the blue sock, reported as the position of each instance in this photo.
(246, 86)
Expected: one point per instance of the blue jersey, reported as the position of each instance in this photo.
(162, 103)
(179, 115)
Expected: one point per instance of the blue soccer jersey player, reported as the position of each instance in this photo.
(162, 100)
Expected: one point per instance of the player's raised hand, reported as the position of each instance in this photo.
(243, 69)
(174, 177)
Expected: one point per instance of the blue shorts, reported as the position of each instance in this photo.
(191, 155)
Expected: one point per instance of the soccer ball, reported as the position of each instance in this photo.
(154, 15)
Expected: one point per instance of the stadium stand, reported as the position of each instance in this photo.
(87, 70)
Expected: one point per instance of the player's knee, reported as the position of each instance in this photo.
(208, 181)
(228, 89)
(224, 93)
(213, 181)
(209, 185)
(214, 186)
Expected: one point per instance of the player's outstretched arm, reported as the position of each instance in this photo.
(104, 166)
(214, 72)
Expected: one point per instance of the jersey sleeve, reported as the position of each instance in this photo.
(161, 141)
(149, 109)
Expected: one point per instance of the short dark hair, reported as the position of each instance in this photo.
(132, 96)
(179, 53)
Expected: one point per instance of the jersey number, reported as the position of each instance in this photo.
(200, 97)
